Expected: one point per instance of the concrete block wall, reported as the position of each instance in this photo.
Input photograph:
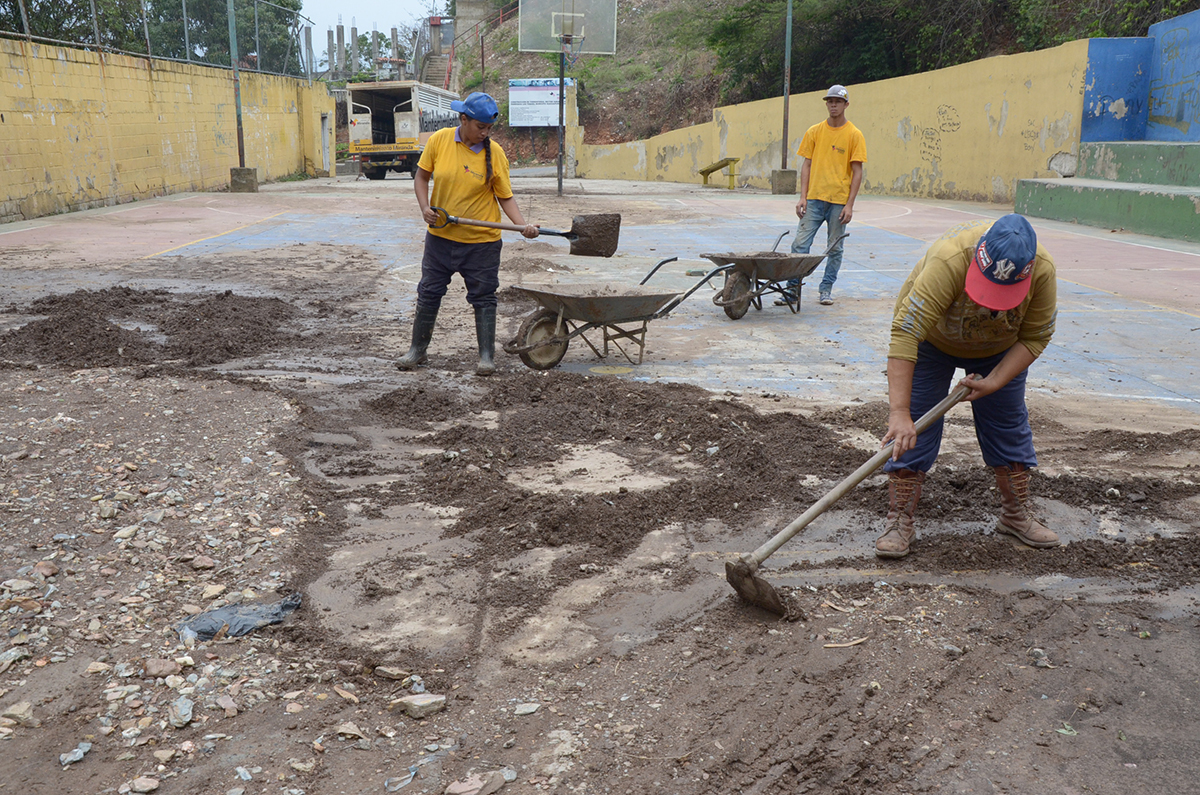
(79, 129)
(970, 132)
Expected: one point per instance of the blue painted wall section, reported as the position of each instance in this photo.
(1175, 80)
(1115, 93)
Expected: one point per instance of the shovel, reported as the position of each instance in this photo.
(590, 235)
(741, 573)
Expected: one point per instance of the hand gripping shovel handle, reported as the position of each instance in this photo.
(755, 558)
(445, 218)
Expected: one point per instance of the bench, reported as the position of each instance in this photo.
(731, 162)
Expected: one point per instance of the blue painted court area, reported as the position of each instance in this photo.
(1105, 345)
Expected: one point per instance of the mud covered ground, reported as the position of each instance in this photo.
(544, 550)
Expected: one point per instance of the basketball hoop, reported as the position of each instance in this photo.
(572, 47)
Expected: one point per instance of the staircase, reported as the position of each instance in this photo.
(1147, 187)
(434, 72)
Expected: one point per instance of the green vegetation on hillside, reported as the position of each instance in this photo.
(839, 42)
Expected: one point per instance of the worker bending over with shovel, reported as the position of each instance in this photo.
(982, 299)
(470, 178)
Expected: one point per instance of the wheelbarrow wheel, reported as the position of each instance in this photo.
(736, 296)
(539, 327)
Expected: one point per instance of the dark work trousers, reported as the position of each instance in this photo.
(1001, 419)
(478, 263)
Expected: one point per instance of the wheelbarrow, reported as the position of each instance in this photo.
(751, 276)
(570, 310)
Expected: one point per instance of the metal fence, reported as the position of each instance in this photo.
(271, 38)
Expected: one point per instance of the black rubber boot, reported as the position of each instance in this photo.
(421, 334)
(485, 333)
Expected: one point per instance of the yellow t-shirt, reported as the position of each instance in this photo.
(832, 150)
(933, 304)
(459, 185)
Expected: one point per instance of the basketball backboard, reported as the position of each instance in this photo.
(589, 26)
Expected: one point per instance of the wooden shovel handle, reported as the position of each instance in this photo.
(755, 558)
(454, 219)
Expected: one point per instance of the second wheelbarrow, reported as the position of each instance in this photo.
(570, 310)
(750, 276)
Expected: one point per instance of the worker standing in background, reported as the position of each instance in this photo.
(983, 299)
(470, 179)
(833, 152)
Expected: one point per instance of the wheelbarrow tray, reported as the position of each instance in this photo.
(600, 303)
(769, 266)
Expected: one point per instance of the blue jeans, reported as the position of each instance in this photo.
(1001, 419)
(815, 214)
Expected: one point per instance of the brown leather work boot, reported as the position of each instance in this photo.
(1015, 518)
(904, 490)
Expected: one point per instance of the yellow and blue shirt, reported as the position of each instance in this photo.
(460, 185)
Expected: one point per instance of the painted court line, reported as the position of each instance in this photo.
(213, 237)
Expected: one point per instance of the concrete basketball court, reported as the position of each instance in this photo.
(1129, 306)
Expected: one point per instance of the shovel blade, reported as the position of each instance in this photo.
(757, 591)
(595, 235)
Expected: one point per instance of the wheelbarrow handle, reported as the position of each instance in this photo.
(654, 270)
(445, 218)
(755, 558)
(834, 244)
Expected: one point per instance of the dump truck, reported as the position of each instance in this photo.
(391, 121)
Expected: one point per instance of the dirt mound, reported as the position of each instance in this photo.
(531, 265)
(122, 326)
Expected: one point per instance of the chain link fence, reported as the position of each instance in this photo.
(271, 37)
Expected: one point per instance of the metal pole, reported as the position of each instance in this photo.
(787, 81)
(95, 25)
(562, 118)
(482, 67)
(257, 48)
(25, 18)
(187, 39)
(146, 28)
(237, 86)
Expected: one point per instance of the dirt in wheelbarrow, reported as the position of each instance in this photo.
(544, 551)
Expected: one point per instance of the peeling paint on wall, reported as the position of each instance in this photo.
(920, 139)
(116, 130)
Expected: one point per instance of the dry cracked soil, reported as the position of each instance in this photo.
(541, 555)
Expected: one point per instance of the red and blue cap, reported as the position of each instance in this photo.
(998, 278)
(478, 106)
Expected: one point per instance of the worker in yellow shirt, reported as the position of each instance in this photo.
(833, 153)
(470, 180)
(983, 299)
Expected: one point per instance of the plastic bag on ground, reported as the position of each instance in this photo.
(236, 620)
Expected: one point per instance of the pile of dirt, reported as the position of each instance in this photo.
(123, 326)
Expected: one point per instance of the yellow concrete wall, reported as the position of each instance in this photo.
(80, 130)
(968, 132)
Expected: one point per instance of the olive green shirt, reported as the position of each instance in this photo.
(934, 306)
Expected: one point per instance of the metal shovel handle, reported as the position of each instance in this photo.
(756, 557)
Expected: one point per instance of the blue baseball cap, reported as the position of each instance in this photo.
(478, 106)
(998, 278)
